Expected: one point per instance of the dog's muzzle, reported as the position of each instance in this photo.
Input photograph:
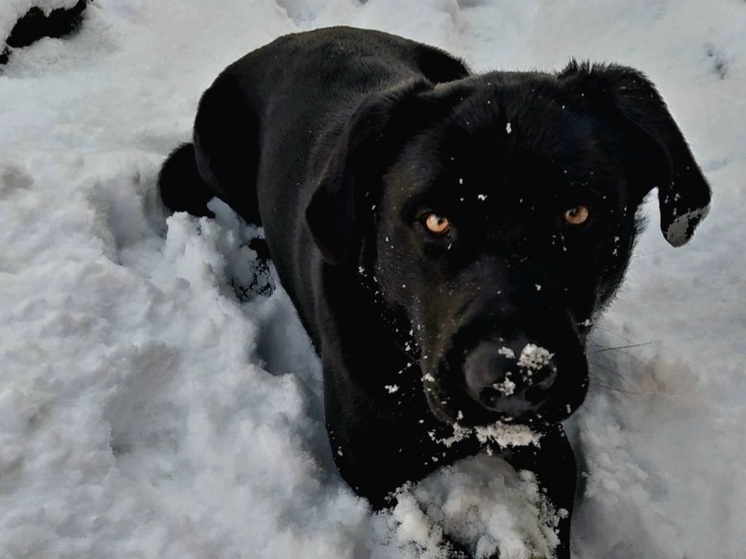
(492, 374)
(511, 380)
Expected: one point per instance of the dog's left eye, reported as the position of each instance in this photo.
(436, 224)
(577, 215)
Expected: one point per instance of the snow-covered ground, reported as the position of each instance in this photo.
(148, 411)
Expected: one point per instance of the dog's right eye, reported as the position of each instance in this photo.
(436, 224)
(577, 215)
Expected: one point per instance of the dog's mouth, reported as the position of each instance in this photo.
(517, 381)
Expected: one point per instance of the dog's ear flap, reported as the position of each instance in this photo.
(368, 141)
(683, 192)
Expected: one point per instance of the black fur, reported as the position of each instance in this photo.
(341, 143)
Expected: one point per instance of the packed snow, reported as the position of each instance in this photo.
(155, 403)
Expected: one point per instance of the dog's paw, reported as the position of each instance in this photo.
(248, 265)
(478, 508)
(254, 276)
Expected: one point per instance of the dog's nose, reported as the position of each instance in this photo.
(511, 380)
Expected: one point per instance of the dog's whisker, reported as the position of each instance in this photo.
(619, 348)
(612, 332)
(639, 255)
(611, 387)
(606, 386)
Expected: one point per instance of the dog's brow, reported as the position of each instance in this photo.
(420, 202)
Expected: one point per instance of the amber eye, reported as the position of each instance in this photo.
(437, 224)
(577, 215)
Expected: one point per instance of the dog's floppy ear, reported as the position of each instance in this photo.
(683, 193)
(368, 142)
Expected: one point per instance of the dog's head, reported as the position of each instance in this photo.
(497, 214)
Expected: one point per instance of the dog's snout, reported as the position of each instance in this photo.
(511, 380)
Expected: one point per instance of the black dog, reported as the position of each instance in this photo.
(447, 238)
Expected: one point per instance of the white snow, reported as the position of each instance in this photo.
(534, 357)
(147, 411)
(505, 351)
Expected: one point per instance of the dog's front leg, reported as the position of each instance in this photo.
(553, 463)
